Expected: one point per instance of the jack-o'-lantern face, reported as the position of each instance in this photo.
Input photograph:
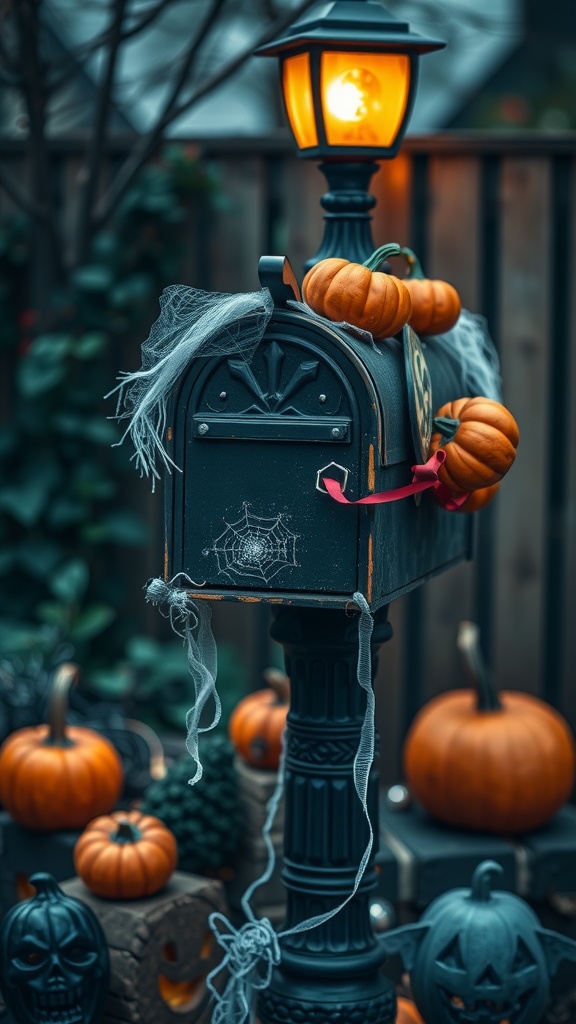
(479, 957)
(474, 988)
(54, 959)
(183, 990)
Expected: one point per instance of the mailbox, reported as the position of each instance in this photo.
(248, 516)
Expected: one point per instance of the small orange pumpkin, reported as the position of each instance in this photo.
(257, 722)
(406, 1012)
(56, 776)
(359, 294)
(436, 304)
(480, 437)
(488, 761)
(126, 855)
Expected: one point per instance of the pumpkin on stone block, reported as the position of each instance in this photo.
(56, 776)
(257, 723)
(479, 955)
(54, 960)
(359, 294)
(126, 855)
(501, 762)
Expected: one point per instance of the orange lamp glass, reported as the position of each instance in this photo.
(364, 97)
(346, 102)
(297, 88)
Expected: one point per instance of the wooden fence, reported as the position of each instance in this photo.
(496, 217)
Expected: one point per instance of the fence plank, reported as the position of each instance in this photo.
(304, 184)
(452, 254)
(517, 606)
(392, 187)
(568, 690)
(237, 228)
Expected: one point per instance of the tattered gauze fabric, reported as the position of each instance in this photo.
(191, 619)
(252, 951)
(192, 323)
(480, 366)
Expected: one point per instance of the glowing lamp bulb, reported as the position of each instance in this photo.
(354, 96)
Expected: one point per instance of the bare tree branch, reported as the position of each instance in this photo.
(93, 160)
(46, 258)
(146, 145)
(81, 54)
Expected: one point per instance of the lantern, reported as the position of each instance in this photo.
(349, 71)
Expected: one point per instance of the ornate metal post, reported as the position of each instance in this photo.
(331, 972)
(347, 218)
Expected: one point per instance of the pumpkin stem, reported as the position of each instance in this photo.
(446, 426)
(381, 254)
(46, 886)
(468, 643)
(414, 265)
(279, 682)
(481, 888)
(126, 832)
(66, 676)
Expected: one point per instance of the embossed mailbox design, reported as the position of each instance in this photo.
(248, 515)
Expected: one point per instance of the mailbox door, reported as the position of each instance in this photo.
(251, 439)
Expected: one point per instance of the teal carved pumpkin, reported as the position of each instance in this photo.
(479, 956)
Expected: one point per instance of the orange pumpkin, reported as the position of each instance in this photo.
(494, 762)
(126, 855)
(55, 776)
(257, 722)
(406, 1012)
(435, 304)
(479, 498)
(359, 294)
(479, 437)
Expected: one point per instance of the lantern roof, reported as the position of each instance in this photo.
(350, 23)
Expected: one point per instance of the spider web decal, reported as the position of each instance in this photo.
(255, 547)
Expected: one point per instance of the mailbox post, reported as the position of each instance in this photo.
(250, 518)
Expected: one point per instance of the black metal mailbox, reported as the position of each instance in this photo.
(248, 517)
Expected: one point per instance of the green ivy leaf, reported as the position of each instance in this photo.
(19, 637)
(27, 499)
(113, 683)
(65, 511)
(69, 581)
(121, 527)
(93, 277)
(54, 614)
(35, 378)
(49, 349)
(92, 621)
(99, 430)
(143, 651)
(90, 345)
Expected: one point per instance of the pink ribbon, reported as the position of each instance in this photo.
(424, 477)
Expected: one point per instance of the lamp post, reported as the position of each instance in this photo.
(349, 71)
